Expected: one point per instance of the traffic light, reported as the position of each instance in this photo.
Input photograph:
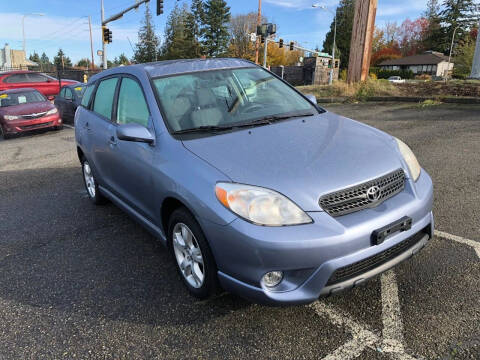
(262, 30)
(280, 43)
(159, 7)
(106, 35)
(263, 39)
(271, 29)
(292, 45)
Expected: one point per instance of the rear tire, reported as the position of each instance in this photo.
(91, 185)
(57, 128)
(192, 254)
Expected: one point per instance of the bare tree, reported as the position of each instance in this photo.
(241, 26)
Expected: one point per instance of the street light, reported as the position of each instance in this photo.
(23, 27)
(450, 55)
(323, 7)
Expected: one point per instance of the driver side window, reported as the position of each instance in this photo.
(132, 107)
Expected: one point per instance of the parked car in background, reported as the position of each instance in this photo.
(24, 110)
(67, 101)
(46, 84)
(396, 79)
(248, 182)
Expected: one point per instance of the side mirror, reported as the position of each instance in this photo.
(312, 98)
(135, 132)
(50, 98)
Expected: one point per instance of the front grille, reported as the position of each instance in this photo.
(34, 116)
(361, 267)
(355, 198)
(36, 126)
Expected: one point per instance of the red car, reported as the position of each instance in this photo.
(24, 110)
(47, 85)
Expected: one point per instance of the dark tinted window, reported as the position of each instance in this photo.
(37, 77)
(68, 94)
(104, 97)
(132, 106)
(87, 94)
(17, 78)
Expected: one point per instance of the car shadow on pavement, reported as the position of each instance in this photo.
(58, 250)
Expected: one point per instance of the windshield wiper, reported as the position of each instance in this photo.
(203, 129)
(273, 118)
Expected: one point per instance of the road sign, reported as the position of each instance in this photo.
(99, 52)
(253, 37)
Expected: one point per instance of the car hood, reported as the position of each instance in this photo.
(302, 158)
(25, 109)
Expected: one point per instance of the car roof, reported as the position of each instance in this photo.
(19, 90)
(15, 72)
(176, 67)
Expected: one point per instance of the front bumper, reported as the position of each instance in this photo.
(309, 254)
(22, 125)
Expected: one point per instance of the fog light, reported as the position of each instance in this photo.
(272, 278)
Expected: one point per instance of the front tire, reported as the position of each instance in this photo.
(91, 185)
(192, 254)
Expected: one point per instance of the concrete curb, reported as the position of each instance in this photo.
(444, 99)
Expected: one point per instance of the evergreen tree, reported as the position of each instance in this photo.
(61, 61)
(457, 13)
(35, 58)
(123, 60)
(85, 63)
(345, 13)
(215, 35)
(433, 36)
(148, 43)
(44, 59)
(181, 33)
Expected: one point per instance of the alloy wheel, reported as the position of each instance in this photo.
(89, 179)
(188, 255)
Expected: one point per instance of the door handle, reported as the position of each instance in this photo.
(112, 141)
(87, 126)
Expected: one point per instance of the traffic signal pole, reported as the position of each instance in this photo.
(104, 48)
(118, 16)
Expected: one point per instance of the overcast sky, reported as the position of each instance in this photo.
(65, 23)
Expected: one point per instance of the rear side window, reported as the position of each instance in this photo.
(37, 77)
(104, 97)
(17, 78)
(62, 93)
(68, 94)
(87, 95)
(132, 106)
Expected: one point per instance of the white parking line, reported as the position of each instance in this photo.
(68, 126)
(474, 244)
(362, 338)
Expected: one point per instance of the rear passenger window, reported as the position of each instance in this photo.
(87, 94)
(104, 97)
(132, 106)
(17, 78)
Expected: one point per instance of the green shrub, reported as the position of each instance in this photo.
(385, 74)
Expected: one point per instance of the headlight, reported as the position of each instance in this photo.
(259, 205)
(51, 112)
(410, 159)
(10, 117)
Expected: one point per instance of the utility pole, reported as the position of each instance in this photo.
(476, 60)
(450, 54)
(361, 43)
(91, 41)
(259, 22)
(104, 48)
(265, 52)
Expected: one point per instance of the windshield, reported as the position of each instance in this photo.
(224, 98)
(19, 98)
(79, 90)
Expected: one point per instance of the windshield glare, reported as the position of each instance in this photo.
(20, 98)
(226, 97)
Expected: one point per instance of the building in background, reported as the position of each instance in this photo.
(429, 63)
(14, 59)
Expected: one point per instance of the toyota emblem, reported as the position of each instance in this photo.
(373, 193)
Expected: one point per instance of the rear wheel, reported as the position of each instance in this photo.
(91, 184)
(194, 259)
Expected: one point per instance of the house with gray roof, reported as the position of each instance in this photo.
(429, 63)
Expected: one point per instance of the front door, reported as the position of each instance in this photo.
(131, 164)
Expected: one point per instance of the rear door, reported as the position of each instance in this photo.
(69, 104)
(131, 162)
(43, 84)
(60, 102)
(16, 81)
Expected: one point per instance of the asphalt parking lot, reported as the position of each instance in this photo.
(79, 281)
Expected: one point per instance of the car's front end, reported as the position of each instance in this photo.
(18, 116)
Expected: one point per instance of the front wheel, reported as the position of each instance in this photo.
(91, 184)
(193, 256)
